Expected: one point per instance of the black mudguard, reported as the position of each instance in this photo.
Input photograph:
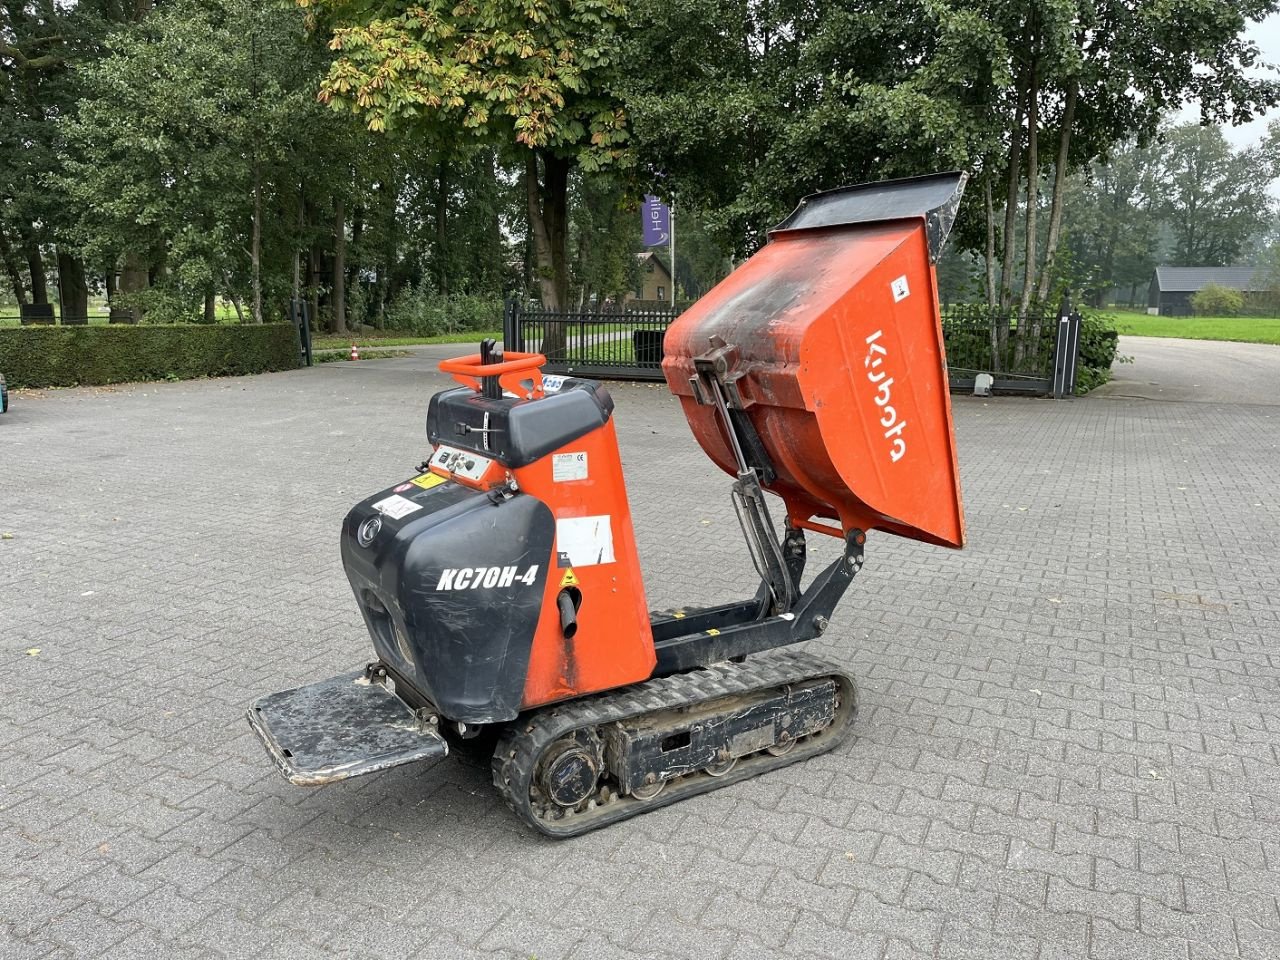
(451, 591)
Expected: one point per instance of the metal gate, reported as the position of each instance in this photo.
(1034, 355)
(625, 345)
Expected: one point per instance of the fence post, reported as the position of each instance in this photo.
(300, 314)
(509, 333)
(1076, 323)
(1066, 349)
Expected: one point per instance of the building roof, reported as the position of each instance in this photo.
(648, 255)
(1191, 279)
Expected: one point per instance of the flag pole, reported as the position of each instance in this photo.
(672, 240)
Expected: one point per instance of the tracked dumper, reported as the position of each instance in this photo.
(501, 586)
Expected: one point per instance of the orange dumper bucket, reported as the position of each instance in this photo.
(827, 344)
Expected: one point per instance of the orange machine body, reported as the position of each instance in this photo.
(841, 370)
(595, 554)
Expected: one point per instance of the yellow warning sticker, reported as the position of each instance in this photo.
(428, 480)
(713, 632)
(569, 579)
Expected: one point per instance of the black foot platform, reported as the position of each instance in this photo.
(342, 727)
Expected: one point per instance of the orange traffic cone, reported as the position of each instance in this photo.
(355, 353)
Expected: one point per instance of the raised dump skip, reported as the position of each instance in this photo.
(829, 344)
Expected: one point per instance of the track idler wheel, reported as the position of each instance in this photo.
(570, 772)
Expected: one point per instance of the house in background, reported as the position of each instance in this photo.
(1173, 287)
(654, 286)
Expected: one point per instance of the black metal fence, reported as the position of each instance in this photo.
(623, 345)
(1034, 354)
(1021, 353)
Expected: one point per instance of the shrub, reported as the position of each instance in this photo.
(1213, 300)
(428, 314)
(66, 356)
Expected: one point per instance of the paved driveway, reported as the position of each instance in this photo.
(1067, 747)
(1196, 371)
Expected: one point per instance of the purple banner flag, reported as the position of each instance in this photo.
(655, 218)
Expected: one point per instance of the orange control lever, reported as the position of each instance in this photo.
(512, 372)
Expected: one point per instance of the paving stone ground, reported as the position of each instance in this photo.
(1067, 746)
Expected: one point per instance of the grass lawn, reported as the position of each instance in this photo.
(1240, 329)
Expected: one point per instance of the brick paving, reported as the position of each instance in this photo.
(1067, 746)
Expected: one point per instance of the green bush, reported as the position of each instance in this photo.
(1212, 300)
(68, 356)
(428, 314)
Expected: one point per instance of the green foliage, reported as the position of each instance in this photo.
(174, 124)
(1099, 341)
(1213, 300)
(1213, 198)
(418, 310)
(534, 74)
(69, 356)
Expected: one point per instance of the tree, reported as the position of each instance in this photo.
(531, 80)
(181, 156)
(744, 108)
(1110, 231)
(1213, 198)
(41, 45)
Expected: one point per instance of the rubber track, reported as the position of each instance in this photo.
(520, 747)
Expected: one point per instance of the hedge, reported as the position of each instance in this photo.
(58, 356)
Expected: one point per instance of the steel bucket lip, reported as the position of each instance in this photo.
(932, 197)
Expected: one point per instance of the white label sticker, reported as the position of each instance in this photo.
(584, 541)
(552, 384)
(568, 466)
(900, 289)
(396, 506)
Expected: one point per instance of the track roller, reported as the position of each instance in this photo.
(572, 768)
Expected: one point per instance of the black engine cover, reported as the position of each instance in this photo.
(450, 583)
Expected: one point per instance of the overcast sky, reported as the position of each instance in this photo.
(1267, 36)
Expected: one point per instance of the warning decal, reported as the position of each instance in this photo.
(428, 480)
(584, 541)
(396, 506)
(570, 579)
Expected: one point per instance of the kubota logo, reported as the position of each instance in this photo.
(893, 427)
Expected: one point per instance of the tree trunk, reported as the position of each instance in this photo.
(548, 206)
(231, 295)
(210, 307)
(989, 202)
(1011, 201)
(442, 226)
(72, 286)
(255, 253)
(110, 274)
(338, 308)
(297, 253)
(1030, 250)
(134, 278)
(39, 282)
(13, 270)
(1059, 187)
(1033, 192)
(313, 282)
